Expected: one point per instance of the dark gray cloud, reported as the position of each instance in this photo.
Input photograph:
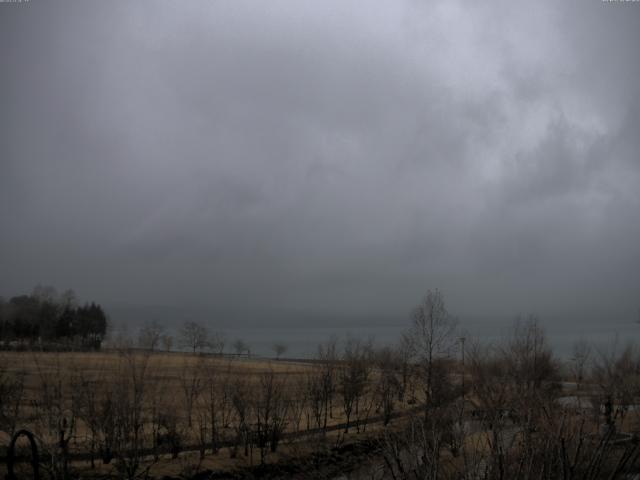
(323, 157)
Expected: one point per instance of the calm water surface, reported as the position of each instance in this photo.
(302, 342)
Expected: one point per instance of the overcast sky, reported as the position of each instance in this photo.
(326, 156)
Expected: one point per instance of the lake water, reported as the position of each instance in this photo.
(302, 342)
(302, 337)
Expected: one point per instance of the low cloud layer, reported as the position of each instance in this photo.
(323, 156)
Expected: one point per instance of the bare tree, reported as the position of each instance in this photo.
(193, 335)
(618, 376)
(413, 451)
(316, 394)
(45, 293)
(529, 356)
(515, 389)
(579, 359)
(279, 349)
(493, 392)
(298, 403)
(240, 399)
(128, 414)
(167, 342)
(68, 299)
(404, 353)
(150, 335)
(327, 359)
(170, 431)
(353, 375)
(270, 412)
(217, 343)
(388, 387)
(239, 346)
(11, 398)
(433, 336)
(88, 392)
(56, 419)
(119, 337)
(191, 383)
(215, 402)
(106, 420)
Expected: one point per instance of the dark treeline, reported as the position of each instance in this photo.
(46, 319)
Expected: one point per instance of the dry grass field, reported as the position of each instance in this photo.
(129, 414)
(177, 413)
(168, 369)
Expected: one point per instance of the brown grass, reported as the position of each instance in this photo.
(164, 372)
